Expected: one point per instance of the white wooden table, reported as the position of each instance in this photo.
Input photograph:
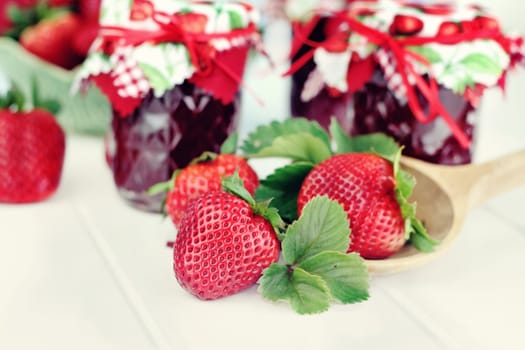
(85, 271)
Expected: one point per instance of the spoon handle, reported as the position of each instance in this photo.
(496, 176)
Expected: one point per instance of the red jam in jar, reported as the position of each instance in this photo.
(405, 70)
(172, 75)
(164, 134)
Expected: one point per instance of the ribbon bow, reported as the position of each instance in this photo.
(170, 29)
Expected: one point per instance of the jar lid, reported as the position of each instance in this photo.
(416, 46)
(152, 46)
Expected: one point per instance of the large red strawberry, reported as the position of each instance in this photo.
(51, 40)
(204, 176)
(223, 244)
(32, 146)
(362, 173)
(89, 10)
(364, 184)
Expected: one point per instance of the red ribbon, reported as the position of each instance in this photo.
(171, 30)
(398, 47)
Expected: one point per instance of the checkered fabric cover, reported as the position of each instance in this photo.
(128, 78)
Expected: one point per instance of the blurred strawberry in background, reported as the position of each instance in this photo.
(32, 148)
(58, 31)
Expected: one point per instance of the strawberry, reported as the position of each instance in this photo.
(204, 176)
(89, 10)
(364, 185)
(51, 39)
(224, 243)
(84, 37)
(362, 174)
(32, 147)
(405, 25)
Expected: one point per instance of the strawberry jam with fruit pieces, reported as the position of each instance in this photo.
(165, 134)
(375, 109)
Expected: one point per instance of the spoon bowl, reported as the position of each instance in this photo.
(444, 195)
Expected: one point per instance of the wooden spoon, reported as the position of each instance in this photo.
(444, 195)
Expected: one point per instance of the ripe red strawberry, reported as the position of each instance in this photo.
(405, 25)
(199, 178)
(89, 10)
(223, 245)
(51, 40)
(84, 37)
(32, 146)
(364, 185)
(362, 173)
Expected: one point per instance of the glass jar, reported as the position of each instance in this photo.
(172, 72)
(460, 49)
(164, 134)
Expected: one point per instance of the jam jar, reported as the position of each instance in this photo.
(413, 71)
(172, 73)
(164, 134)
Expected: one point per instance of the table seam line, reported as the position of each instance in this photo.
(134, 301)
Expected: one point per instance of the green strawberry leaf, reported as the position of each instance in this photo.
(323, 225)
(345, 274)
(377, 143)
(415, 231)
(298, 147)
(229, 146)
(419, 237)
(310, 294)
(480, 63)
(282, 188)
(307, 293)
(275, 283)
(264, 135)
(233, 184)
(427, 52)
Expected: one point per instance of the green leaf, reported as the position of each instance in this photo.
(233, 184)
(264, 135)
(378, 143)
(420, 239)
(282, 188)
(427, 52)
(229, 146)
(236, 21)
(309, 293)
(156, 79)
(275, 283)
(405, 183)
(480, 63)
(343, 142)
(298, 147)
(345, 274)
(322, 226)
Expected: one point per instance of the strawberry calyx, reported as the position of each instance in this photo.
(233, 184)
(24, 17)
(15, 100)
